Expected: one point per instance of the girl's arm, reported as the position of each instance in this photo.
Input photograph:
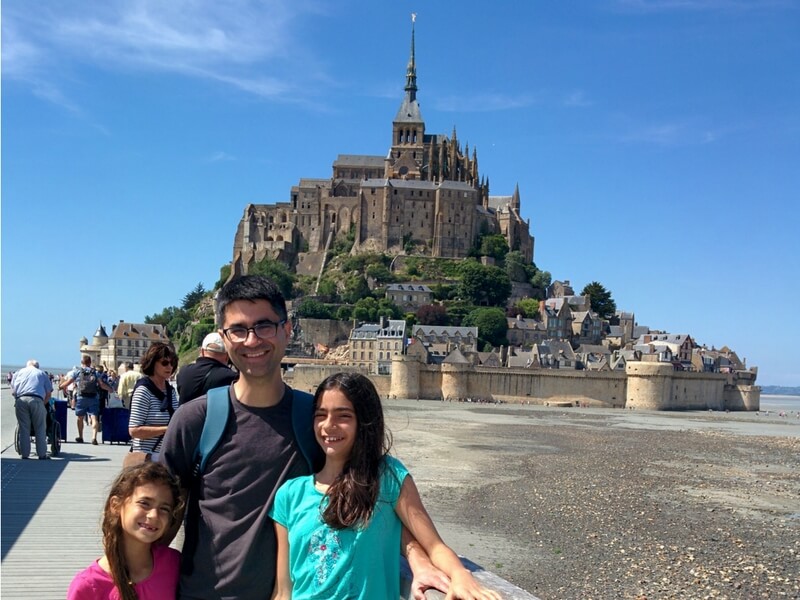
(283, 581)
(425, 575)
(417, 520)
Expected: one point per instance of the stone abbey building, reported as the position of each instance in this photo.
(425, 196)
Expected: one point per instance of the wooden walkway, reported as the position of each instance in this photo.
(51, 514)
(51, 517)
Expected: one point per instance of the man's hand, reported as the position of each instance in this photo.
(426, 578)
(425, 575)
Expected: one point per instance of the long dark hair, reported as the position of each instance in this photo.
(113, 537)
(354, 492)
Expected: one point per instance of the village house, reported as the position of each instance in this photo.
(441, 339)
(409, 296)
(372, 345)
(127, 342)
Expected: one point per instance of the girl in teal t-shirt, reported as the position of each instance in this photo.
(339, 530)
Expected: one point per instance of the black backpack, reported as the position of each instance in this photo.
(87, 382)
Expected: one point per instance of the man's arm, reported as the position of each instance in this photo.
(426, 576)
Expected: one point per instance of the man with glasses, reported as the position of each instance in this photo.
(230, 546)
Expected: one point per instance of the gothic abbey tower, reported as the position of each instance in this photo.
(425, 196)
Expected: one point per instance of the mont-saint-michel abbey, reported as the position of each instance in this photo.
(426, 197)
(425, 190)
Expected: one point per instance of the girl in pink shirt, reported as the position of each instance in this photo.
(141, 508)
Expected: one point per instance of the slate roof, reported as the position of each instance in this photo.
(310, 183)
(456, 358)
(408, 112)
(407, 287)
(358, 160)
(444, 330)
(523, 323)
(139, 331)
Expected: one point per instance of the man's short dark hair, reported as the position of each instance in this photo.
(250, 287)
(129, 366)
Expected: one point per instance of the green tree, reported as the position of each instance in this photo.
(602, 302)
(199, 331)
(224, 273)
(457, 310)
(484, 285)
(310, 308)
(387, 308)
(518, 268)
(344, 313)
(491, 323)
(528, 307)
(191, 299)
(328, 290)
(355, 288)
(276, 271)
(380, 273)
(366, 309)
(541, 280)
(494, 245)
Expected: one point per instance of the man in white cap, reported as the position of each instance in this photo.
(209, 371)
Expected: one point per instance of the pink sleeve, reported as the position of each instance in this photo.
(81, 588)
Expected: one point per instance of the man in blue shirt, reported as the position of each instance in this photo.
(88, 383)
(31, 388)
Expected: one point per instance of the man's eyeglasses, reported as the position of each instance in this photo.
(263, 330)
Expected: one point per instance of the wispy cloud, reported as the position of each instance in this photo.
(486, 102)
(246, 44)
(577, 99)
(220, 156)
(652, 6)
(676, 133)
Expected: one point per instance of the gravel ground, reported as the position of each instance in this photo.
(600, 504)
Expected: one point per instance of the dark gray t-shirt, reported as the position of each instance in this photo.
(235, 550)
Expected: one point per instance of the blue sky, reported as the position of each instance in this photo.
(656, 145)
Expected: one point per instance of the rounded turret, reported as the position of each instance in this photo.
(405, 377)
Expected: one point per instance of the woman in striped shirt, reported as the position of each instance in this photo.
(154, 399)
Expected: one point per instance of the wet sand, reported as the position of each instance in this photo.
(598, 503)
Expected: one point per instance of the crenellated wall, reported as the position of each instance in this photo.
(644, 385)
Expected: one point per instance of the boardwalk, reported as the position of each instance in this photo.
(51, 512)
(51, 515)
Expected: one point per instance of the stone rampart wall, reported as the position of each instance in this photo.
(649, 386)
(306, 378)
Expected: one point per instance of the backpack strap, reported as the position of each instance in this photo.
(303, 425)
(217, 410)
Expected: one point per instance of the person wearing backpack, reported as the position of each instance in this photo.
(88, 384)
(230, 549)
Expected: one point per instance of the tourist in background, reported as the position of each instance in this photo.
(154, 400)
(87, 391)
(31, 389)
(209, 371)
(127, 380)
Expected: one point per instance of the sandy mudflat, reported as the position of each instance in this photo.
(604, 504)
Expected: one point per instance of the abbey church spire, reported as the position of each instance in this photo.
(409, 109)
(411, 70)
(407, 156)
